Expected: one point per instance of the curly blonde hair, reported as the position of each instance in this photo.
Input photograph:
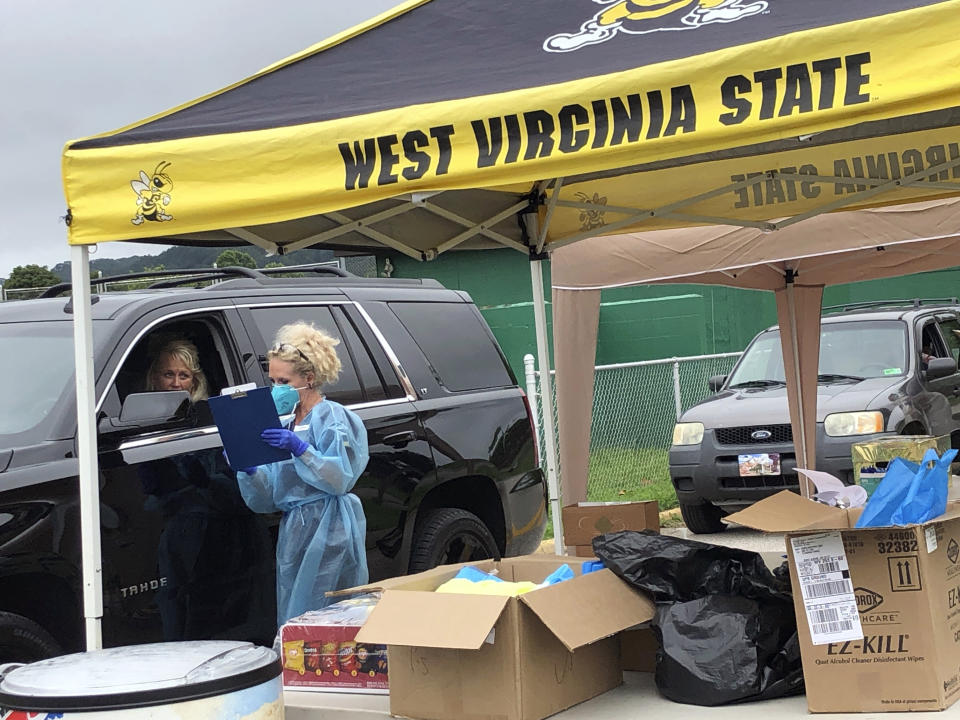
(318, 348)
(187, 353)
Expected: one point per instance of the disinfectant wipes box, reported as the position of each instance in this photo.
(878, 609)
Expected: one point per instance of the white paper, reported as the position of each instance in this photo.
(832, 491)
(826, 588)
(238, 388)
(931, 535)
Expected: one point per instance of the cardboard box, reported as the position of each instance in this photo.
(515, 658)
(584, 521)
(871, 457)
(638, 650)
(320, 651)
(893, 613)
(584, 551)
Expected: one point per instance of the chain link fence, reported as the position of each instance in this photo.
(360, 265)
(635, 406)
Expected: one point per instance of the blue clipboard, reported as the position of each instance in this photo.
(240, 418)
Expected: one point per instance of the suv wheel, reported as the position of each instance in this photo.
(703, 518)
(450, 535)
(22, 640)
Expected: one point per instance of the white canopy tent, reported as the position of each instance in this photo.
(795, 263)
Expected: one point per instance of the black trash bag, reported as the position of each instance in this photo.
(724, 621)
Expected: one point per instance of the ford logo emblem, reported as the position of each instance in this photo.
(761, 434)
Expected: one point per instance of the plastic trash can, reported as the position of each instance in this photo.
(182, 680)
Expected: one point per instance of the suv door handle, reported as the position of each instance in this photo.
(400, 439)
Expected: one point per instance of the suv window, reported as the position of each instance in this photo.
(456, 343)
(950, 329)
(365, 375)
(868, 348)
(346, 390)
(206, 334)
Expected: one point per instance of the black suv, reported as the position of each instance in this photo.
(453, 472)
(882, 372)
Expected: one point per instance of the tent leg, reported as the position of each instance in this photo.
(546, 394)
(801, 447)
(87, 445)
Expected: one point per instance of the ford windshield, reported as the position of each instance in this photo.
(849, 352)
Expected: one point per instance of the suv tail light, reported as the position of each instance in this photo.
(533, 429)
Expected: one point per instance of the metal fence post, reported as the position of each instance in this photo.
(676, 387)
(533, 397)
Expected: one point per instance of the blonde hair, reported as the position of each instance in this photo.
(187, 353)
(316, 345)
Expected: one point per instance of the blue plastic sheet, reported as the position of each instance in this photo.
(321, 543)
(910, 493)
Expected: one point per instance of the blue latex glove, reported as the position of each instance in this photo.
(285, 440)
(248, 470)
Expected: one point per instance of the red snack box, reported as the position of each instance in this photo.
(320, 653)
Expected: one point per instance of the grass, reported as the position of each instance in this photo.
(629, 474)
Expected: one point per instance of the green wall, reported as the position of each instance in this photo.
(645, 322)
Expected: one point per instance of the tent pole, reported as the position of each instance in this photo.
(802, 454)
(546, 394)
(87, 445)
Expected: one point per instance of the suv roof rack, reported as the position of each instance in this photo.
(914, 303)
(186, 276)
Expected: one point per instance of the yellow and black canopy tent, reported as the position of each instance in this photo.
(532, 124)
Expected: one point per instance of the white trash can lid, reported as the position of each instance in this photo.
(138, 675)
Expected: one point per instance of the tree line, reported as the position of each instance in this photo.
(174, 258)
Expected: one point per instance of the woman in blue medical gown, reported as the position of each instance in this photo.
(321, 543)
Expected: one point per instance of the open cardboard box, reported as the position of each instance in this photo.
(516, 658)
(905, 605)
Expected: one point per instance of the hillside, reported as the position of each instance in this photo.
(177, 257)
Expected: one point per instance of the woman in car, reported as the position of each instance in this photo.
(321, 543)
(176, 366)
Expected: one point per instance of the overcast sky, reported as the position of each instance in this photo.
(72, 68)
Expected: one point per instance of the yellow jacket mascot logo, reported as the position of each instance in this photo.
(153, 195)
(637, 17)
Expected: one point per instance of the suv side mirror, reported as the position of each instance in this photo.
(148, 409)
(940, 367)
(716, 382)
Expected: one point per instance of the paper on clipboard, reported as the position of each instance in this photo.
(241, 417)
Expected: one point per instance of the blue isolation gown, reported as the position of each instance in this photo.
(321, 543)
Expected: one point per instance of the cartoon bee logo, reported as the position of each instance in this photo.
(637, 17)
(153, 195)
(592, 217)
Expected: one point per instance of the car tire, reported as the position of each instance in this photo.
(702, 519)
(450, 535)
(22, 640)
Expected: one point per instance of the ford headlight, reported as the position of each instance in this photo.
(687, 433)
(853, 423)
